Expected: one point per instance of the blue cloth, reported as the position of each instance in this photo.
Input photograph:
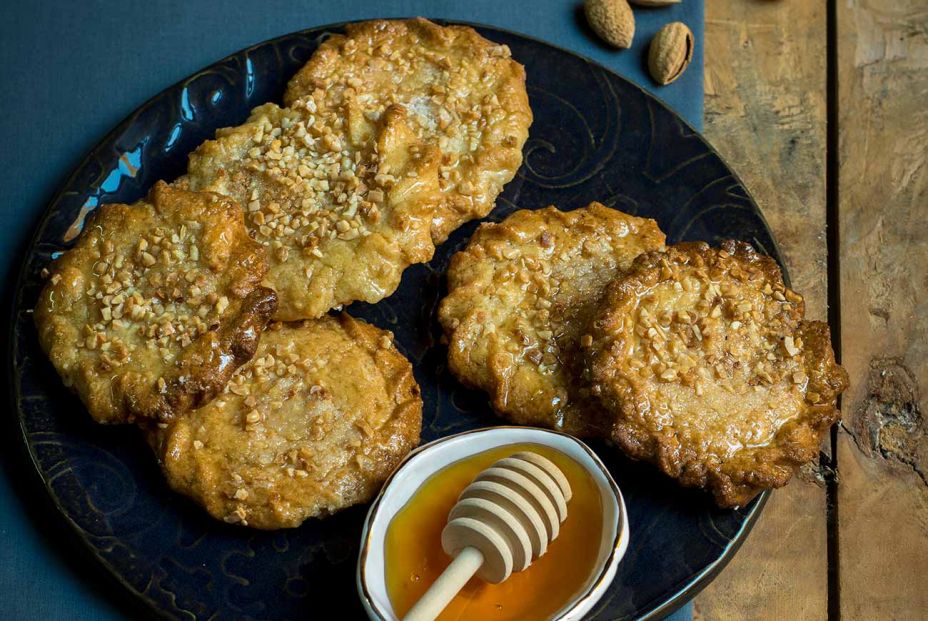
(70, 71)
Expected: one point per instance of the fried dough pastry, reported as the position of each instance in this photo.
(462, 92)
(703, 358)
(313, 424)
(519, 298)
(342, 203)
(155, 306)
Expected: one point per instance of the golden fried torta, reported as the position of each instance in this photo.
(313, 424)
(155, 306)
(704, 360)
(462, 92)
(342, 203)
(520, 296)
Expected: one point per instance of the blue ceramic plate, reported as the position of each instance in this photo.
(595, 136)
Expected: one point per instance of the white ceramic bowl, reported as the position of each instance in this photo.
(430, 458)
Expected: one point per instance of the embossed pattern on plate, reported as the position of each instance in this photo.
(595, 136)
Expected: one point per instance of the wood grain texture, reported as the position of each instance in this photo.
(883, 229)
(765, 81)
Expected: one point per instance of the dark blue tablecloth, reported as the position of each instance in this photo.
(70, 70)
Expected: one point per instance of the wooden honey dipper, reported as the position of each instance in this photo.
(502, 521)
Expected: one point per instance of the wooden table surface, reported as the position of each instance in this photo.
(822, 108)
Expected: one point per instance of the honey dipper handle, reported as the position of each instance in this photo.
(443, 590)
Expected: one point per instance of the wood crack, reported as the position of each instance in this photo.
(886, 454)
(889, 421)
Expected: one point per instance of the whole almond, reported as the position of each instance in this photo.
(654, 3)
(670, 52)
(612, 20)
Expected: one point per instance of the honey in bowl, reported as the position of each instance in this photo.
(414, 558)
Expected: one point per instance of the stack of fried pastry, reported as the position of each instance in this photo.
(694, 358)
(201, 312)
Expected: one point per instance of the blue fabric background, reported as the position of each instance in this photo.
(70, 70)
